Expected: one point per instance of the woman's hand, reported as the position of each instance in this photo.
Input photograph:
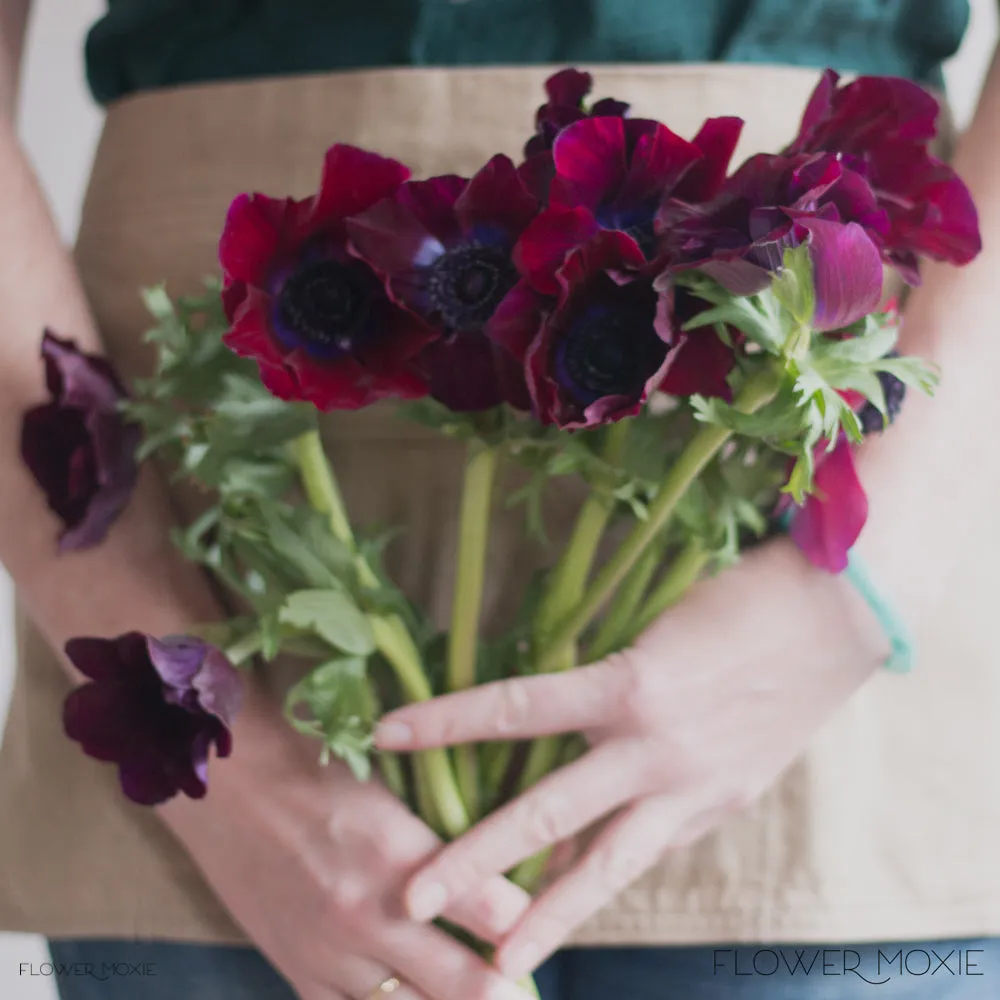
(312, 864)
(692, 724)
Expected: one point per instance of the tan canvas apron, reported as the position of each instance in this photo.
(886, 828)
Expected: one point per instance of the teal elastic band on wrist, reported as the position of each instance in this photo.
(900, 637)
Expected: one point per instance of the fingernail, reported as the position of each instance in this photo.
(427, 901)
(519, 961)
(393, 734)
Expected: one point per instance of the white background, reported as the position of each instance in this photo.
(60, 126)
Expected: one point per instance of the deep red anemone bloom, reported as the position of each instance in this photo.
(567, 90)
(881, 128)
(315, 319)
(758, 212)
(611, 173)
(78, 447)
(830, 522)
(153, 707)
(592, 355)
(443, 247)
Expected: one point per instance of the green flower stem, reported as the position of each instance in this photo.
(392, 773)
(392, 638)
(395, 643)
(618, 624)
(320, 484)
(569, 576)
(529, 872)
(564, 591)
(426, 807)
(473, 539)
(496, 761)
(683, 572)
(703, 447)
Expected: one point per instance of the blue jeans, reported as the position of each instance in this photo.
(951, 970)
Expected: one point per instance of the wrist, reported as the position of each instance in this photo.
(836, 616)
(266, 752)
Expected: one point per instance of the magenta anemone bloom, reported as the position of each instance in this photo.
(619, 170)
(881, 127)
(601, 347)
(154, 707)
(846, 272)
(742, 246)
(443, 247)
(740, 236)
(567, 90)
(614, 174)
(830, 521)
(78, 446)
(316, 319)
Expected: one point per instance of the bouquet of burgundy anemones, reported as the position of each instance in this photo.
(702, 349)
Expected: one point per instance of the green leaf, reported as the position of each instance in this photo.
(333, 615)
(340, 708)
(913, 372)
(793, 286)
(781, 419)
(190, 540)
(270, 635)
(756, 316)
(268, 479)
(240, 426)
(801, 478)
(299, 551)
(314, 530)
(870, 386)
(875, 343)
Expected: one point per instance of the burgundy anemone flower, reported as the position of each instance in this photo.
(443, 247)
(154, 707)
(567, 90)
(741, 234)
(594, 354)
(845, 259)
(619, 170)
(832, 517)
(881, 128)
(610, 173)
(78, 447)
(315, 319)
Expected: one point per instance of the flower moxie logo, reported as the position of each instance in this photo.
(875, 969)
(101, 972)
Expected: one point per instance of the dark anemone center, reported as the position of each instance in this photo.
(644, 234)
(326, 304)
(468, 283)
(611, 351)
(637, 222)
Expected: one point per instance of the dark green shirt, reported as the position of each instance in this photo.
(141, 44)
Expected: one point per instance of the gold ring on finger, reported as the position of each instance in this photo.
(384, 988)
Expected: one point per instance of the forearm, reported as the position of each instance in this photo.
(934, 477)
(135, 579)
(13, 21)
